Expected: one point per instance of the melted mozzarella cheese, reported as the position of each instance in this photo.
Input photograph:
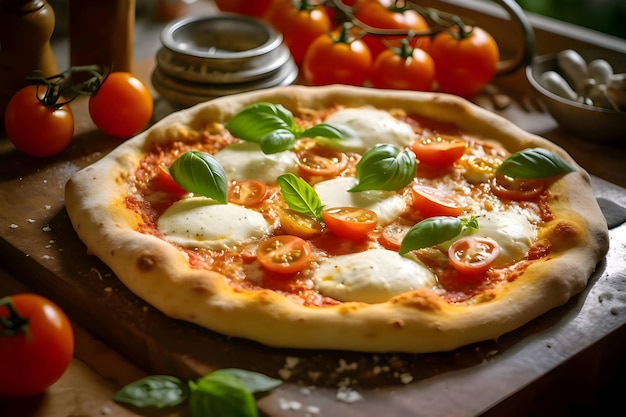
(388, 205)
(372, 276)
(246, 160)
(373, 126)
(201, 222)
(512, 231)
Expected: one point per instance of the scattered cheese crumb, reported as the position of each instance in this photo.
(348, 395)
(47, 207)
(13, 226)
(289, 404)
(30, 220)
(47, 257)
(46, 228)
(106, 410)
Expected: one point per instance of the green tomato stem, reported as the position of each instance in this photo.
(15, 323)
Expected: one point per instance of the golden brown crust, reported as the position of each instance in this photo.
(419, 321)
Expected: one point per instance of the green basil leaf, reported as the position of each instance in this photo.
(327, 130)
(385, 167)
(430, 232)
(277, 141)
(259, 120)
(221, 394)
(299, 195)
(254, 381)
(153, 391)
(201, 174)
(533, 163)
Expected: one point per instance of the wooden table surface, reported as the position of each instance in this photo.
(574, 346)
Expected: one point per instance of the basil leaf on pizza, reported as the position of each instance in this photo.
(201, 174)
(385, 167)
(533, 163)
(300, 196)
(430, 232)
(259, 120)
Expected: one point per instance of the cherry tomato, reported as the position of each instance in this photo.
(390, 15)
(247, 192)
(300, 23)
(473, 255)
(295, 223)
(439, 151)
(321, 161)
(464, 63)
(352, 223)
(481, 168)
(35, 128)
(256, 8)
(284, 254)
(392, 235)
(337, 58)
(519, 189)
(164, 181)
(403, 69)
(122, 106)
(36, 344)
(435, 202)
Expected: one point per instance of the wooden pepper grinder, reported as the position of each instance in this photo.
(25, 30)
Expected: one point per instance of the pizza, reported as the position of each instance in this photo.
(343, 218)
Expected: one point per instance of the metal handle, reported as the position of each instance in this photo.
(527, 53)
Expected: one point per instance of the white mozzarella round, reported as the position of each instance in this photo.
(373, 276)
(373, 126)
(246, 160)
(388, 205)
(201, 222)
(511, 230)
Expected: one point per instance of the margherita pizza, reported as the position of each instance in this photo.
(343, 218)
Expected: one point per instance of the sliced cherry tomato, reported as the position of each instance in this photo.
(284, 254)
(481, 168)
(321, 161)
(390, 15)
(36, 128)
(432, 202)
(464, 62)
(36, 344)
(439, 151)
(122, 106)
(295, 223)
(405, 68)
(247, 192)
(392, 234)
(300, 22)
(337, 58)
(519, 189)
(164, 181)
(352, 223)
(473, 255)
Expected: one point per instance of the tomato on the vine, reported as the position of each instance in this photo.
(256, 8)
(404, 68)
(337, 58)
(465, 61)
(398, 16)
(300, 23)
(35, 126)
(36, 344)
(285, 254)
(122, 106)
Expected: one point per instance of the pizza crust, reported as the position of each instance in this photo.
(416, 322)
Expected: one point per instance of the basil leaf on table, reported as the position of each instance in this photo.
(300, 196)
(533, 163)
(153, 391)
(254, 381)
(201, 174)
(221, 394)
(385, 167)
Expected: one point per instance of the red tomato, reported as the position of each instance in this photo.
(464, 64)
(122, 106)
(405, 69)
(321, 161)
(350, 222)
(284, 254)
(164, 181)
(337, 58)
(434, 202)
(392, 235)
(439, 151)
(300, 24)
(36, 344)
(255, 8)
(382, 15)
(247, 192)
(519, 189)
(473, 255)
(295, 223)
(35, 128)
